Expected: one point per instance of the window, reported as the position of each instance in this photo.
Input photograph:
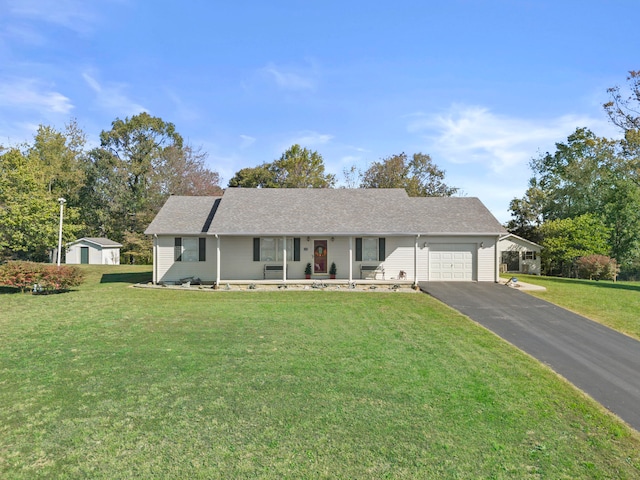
(529, 255)
(269, 249)
(190, 249)
(370, 249)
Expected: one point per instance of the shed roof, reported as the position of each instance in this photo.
(244, 211)
(100, 241)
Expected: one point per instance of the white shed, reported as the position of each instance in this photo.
(94, 251)
(518, 254)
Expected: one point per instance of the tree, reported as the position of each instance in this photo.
(564, 240)
(256, 177)
(419, 176)
(301, 168)
(29, 214)
(297, 168)
(58, 159)
(183, 172)
(624, 111)
(575, 177)
(129, 154)
(587, 174)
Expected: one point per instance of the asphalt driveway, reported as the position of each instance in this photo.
(603, 363)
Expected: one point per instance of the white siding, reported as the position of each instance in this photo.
(400, 256)
(236, 258)
(97, 254)
(487, 263)
(170, 271)
(484, 257)
(515, 244)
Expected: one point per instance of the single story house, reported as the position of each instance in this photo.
(93, 251)
(518, 254)
(253, 234)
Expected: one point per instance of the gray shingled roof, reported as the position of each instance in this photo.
(102, 241)
(184, 216)
(324, 212)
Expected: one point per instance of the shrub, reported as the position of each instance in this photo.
(597, 267)
(40, 278)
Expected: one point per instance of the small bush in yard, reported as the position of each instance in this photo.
(597, 267)
(40, 278)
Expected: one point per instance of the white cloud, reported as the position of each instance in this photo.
(290, 79)
(76, 15)
(310, 139)
(472, 134)
(247, 141)
(487, 154)
(32, 94)
(110, 97)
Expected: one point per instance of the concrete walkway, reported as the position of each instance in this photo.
(603, 363)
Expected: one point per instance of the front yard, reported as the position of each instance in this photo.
(114, 382)
(616, 305)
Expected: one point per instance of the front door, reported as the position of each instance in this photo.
(319, 256)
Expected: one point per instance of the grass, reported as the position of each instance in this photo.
(613, 304)
(114, 382)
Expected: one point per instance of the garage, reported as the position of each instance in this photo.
(452, 262)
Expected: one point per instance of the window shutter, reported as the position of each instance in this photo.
(256, 249)
(381, 252)
(177, 244)
(358, 249)
(202, 249)
(296, 249)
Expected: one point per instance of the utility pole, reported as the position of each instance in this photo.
(61, 201)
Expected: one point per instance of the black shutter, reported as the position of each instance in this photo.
(381, 253)
(296, 249)
(202, 250)
(358, 249)
(177, 244)
(256, 249)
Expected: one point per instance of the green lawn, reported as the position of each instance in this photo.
(616, 305)
(115, 382)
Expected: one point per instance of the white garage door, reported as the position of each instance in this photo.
(451, 262)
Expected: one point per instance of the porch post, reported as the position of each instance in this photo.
(350, 259)
(415, 261)
(284, 259)
(218, 260)
(155, 259)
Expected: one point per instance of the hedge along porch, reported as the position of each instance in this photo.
(258, 234)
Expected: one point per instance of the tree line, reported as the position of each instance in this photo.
(584, 198)
(116, 189)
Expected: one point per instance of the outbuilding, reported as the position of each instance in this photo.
(519, 255)
(93, 251)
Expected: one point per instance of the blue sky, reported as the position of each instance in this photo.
(480, 85)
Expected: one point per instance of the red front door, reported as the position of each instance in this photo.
(319, 256)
